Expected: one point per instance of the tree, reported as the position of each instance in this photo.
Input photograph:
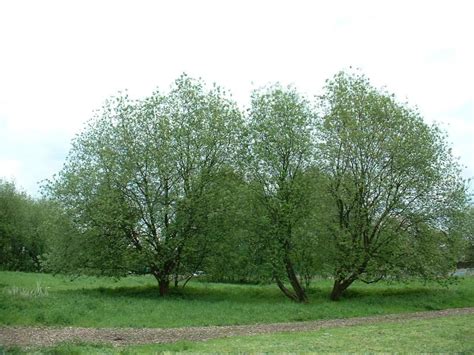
(280, 158)
(138, 180)
(232, 256)
(394, 184)
(465, 226)
(24, 229)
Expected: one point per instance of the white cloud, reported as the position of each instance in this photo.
(61, 60)
(9, 168)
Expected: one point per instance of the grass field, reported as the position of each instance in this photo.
(134, 302)
(443, 335)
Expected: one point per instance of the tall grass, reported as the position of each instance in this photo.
(135, 302)
(16, 291)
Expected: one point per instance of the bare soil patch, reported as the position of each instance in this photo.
(48, 336)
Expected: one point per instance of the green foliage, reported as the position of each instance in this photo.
(465, 227)
(139, 181)
(359, 187)
(394, 183)
(232, 249)
(281, 151)
(25, 226)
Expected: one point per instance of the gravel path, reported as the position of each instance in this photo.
(47, 336)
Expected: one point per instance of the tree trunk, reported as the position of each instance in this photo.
(298, 294)
(295, 283)
(163, 282)
(164, 286)
(176, 279)
(285, 291)
(339, 287)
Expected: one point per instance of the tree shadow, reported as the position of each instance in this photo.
(389, 292)
(202, 293)
(258, 294)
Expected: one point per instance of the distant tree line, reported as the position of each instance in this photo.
(27, 227)
(353, 185)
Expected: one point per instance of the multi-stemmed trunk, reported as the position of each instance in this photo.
(298, 294)
(340, 285)
(343, 279)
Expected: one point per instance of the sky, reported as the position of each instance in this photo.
(60, 60)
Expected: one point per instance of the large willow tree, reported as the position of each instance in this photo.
(394, 184)
(280, 166)
(139, 180)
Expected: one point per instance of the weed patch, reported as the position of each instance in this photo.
(16, 291)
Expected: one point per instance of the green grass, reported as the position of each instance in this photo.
(134, 302)
(453, 334)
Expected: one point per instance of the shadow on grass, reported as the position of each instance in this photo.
(360, 293)
(213, 293)
(255, 294)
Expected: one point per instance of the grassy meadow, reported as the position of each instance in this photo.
(41, 299)
(452, 334)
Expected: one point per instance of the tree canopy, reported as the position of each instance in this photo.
(355, 185)
(393, 181)
(26, 225)
(139, 179)
(280, 159)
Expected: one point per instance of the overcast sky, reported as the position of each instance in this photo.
(59, 61)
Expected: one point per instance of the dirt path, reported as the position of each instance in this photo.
(47, 336)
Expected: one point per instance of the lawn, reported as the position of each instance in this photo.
(452, 334)
(134, 302)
